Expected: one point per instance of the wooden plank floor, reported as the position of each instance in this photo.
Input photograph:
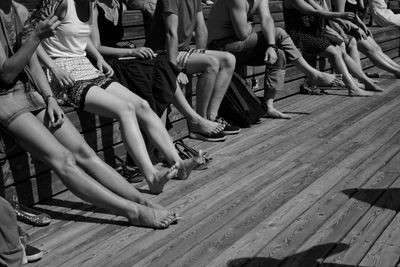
(321, 189)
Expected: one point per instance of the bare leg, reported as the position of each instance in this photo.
(35, 138)
(226, 62)
(106, 104)
(195, 122)
(208, 66)
(335, 56)
(352, 51)
(356, 69)
(274, 81)
(157, 133)
(380, 59)
(88, 161)
(317, 77)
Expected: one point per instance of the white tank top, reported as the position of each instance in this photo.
(70, 39)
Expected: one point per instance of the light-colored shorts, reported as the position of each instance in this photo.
(183, 56)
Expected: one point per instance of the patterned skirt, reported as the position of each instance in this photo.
(85, 76)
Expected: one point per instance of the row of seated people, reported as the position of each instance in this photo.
(379, 11)
(60, 35)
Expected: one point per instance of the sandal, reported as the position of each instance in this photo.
(380, 75)
(187, 152)
(131, 173)
(30, 216)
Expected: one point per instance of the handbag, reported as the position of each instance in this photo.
(240, 106)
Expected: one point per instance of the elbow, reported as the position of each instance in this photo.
(242, 36)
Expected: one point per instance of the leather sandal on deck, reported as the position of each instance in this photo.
(131, 173)
(187, 152)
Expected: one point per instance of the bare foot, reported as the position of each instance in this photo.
(186, 166)
(373, 87)
(326, 79)
(276, 114)
(152, 218)
(157, 182)
(152, 204)
(359, 92)
(358, 84)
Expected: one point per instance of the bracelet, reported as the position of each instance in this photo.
(274, 46)
(46, 100)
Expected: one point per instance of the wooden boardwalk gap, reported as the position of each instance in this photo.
(322, 188)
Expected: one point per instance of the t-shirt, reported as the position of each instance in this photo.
(186, 10)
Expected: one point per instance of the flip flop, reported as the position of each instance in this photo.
(131, 173)
(380, 75)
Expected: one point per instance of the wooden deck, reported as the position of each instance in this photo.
(322, 188)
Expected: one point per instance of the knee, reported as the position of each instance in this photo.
(281, 33)
(334, 52)
(371, 50)
(211, 65)
(65, 161)
(352, 44)
(84, 152)
(281, 61)
(228, 61)
(126, 109)
(142, 106)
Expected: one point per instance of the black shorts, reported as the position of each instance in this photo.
(152, 79)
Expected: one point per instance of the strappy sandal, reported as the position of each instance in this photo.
(187, 152)
(307, 89)
(30, 216)
(131, 173)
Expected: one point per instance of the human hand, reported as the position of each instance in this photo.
(367, 30)
(360, 33)
(347, 15)
(182, 78)
(270, 56)
(63, 78)
(143, 53)
(105, 68)
(47, 27)
(54, 111)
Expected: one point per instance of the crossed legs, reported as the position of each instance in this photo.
(118, 102)
(335, 55)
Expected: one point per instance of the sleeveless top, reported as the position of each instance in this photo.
(295, 21)
(219, 22)
(70, 39)
(110, 34)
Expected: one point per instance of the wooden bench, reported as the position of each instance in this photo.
(32, 181)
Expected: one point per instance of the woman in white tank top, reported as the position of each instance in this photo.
(78, 83)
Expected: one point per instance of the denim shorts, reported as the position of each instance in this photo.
(20, 99)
